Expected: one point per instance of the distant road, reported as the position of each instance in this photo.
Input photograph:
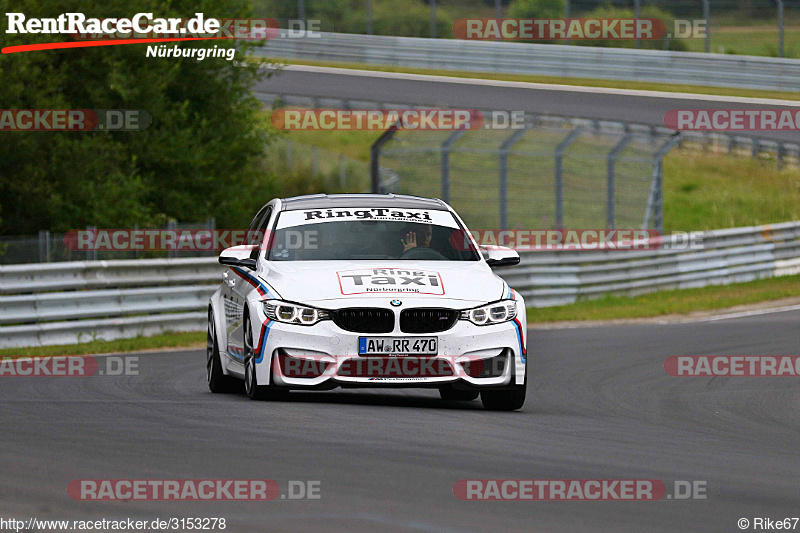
(586, 102)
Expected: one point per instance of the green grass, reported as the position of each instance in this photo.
(190, 339)
(583, 82)
(708, 191)
(671, 302)
(755, 40)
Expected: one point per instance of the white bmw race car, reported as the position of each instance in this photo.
(366, 290)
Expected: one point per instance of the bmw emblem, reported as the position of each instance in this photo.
(396, 303)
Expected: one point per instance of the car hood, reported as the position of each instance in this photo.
(323, 281)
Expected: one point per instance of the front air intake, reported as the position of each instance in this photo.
(427, 320)
(364, 319)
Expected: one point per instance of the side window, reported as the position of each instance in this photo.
(254, 224)
(256, 236)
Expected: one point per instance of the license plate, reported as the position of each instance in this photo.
(398, 345)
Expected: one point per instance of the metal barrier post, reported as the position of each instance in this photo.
(780, 28)
(611, 190)
(374, 157)
(314, 161)
(655, 200)
(505, 148)
(433, 19)
(445, 152)
(171, 226)
(93, 252)
(560, 149)
(44, 246)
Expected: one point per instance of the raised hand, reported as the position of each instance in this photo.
(409, 242)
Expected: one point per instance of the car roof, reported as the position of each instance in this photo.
(332, 201)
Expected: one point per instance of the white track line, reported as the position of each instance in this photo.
(540, 86)
(742, 314)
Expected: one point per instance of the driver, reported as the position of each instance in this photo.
(425, 232)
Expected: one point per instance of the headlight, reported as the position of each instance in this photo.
(495, 313)
(290, 313)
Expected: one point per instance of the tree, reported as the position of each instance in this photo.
(199, 157)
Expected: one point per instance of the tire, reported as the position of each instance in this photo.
(253, 390)
(217, 380)
(504, 400)
(449, 394)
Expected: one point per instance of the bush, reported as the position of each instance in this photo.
(536, 9)
(648, 12)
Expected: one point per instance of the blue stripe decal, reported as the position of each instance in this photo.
(263, 346)
(509, 292)
(518, 329)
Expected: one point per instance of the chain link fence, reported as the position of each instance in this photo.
(553, 173)
(48, 247)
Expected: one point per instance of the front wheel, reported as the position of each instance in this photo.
(253, 390)
(504, 400)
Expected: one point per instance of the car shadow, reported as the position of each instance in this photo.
(357, 397)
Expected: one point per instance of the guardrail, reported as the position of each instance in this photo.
(65, 303)
(725, 256)
(765, 73)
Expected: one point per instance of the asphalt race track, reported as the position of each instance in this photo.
(576, 101)
(600, 405)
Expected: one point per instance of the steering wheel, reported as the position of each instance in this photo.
(422, 254)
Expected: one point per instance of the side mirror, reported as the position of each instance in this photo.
(500, 256)
(238, 256)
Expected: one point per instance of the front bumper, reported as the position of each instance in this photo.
(324, 356)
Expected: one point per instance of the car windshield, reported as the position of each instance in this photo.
(370, 234)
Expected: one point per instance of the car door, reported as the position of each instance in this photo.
(236, 288)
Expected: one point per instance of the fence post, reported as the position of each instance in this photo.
(93, 252)
(342, 173)
(44, 246)
(560, 149)
(707, 17)
(212, 226)
(433, 19)
(171, 226)
(369, 17)
(374, 158)
(445, 153)
(655, 200)
(288, 155)
(780, 28)
(314, 161)
(505, 148)
(611, 188)
(637, 12)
